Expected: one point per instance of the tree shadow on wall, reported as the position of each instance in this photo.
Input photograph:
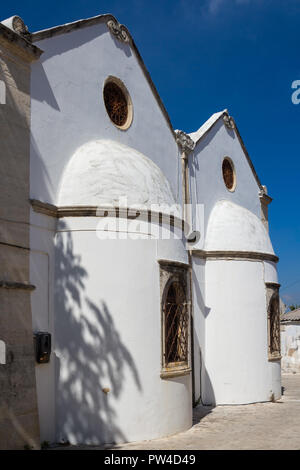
(92, 363)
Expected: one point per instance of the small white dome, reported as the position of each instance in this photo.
(103, 171)
(234, 228)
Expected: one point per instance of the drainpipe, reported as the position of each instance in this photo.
(186, 146)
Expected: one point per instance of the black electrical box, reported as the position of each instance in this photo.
(42, 347)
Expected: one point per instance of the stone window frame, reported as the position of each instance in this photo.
(171, 271)
(274, 354)
(116, 81)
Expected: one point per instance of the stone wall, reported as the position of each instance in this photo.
(19, 426)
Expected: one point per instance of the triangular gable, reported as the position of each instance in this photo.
(121, 32)
(210, 123)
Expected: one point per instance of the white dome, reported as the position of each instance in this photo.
(103, 171)
(234, 228)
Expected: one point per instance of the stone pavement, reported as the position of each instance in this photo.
(256, 426)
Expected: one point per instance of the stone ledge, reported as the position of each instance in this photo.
(16, 285)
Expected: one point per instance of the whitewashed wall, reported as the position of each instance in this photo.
(68, 108)
(230, 304)
(108, 336)
(290, 347)
(236, 333)
(207, 184)
(42, 233)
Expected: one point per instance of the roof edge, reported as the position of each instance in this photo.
(210, 123)
(11, 36)
(207, 126)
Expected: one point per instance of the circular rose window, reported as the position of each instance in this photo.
(229, 174)
(117, 103)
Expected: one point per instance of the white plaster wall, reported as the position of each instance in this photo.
(271, 274)
(42, 230)
(236, 333)
(200, 312)
(234, 228)
(208, 186)
(67, 107)
(108, 336)
(290, 347)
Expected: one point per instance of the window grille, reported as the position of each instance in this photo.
(115, 103)
(228, 174)
(176, 319)
(274, 326)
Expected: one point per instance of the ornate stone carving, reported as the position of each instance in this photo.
(184, 141)
(228, 121)
(118, 30)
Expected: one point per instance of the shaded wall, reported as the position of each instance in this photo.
(18, 405)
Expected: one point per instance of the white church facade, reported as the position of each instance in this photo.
(153, 281)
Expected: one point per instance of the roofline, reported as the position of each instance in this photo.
(220, 115)
(248, 157)
(289, 317)
(69, 27)
(26, 47)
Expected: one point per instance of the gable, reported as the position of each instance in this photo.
(207, 183)
(68, 108)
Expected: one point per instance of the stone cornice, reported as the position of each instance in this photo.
(44, 208)
(19, 44)
(98, 211)
(178, 264)
(184, 141)
(242, 255)
(118, 30)
(16, 285)
(265, 199)
(273, 285)
(228, 121)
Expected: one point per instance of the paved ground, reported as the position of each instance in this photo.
(258, 426)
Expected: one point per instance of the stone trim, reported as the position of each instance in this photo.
(168, 374)
(228, 255)
(15, 246)
(185, 142)
(16, 285)
(178, 264)
(102, 211)
(170, 271)
(118, 30)
(28, 50)
(43, 208)
(265, 198)
(274, 285)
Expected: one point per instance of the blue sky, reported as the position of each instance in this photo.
(237, 54)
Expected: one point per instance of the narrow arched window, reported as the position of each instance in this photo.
(175, 309)
(274, 326)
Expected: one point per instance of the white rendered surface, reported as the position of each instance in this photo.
(236, 334)
(68, 110)
(102, 172)
(108, 336)
(234, 228)
(290, 347)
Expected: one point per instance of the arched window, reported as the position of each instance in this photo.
(176, 319)
(274, 326)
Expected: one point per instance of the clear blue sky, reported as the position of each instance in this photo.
(207, 55)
